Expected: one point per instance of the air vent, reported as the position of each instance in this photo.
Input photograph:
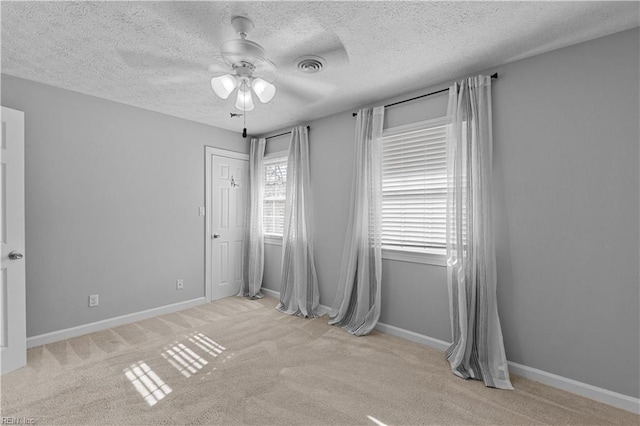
(310, 64)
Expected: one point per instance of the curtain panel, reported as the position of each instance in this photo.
(299, 293)
(253, 250)
(477, 351)
(356, 308)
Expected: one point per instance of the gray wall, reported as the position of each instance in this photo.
(566, 212)
(566, 173)
(112, 197)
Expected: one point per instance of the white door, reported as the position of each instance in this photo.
(229, 179)
(13, 329)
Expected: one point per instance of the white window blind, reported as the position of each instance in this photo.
(275, 191)
(414, 193)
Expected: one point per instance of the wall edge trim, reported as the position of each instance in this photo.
(438, 344)
(270, 293)
(276, 295)
(586, 390)
(67, 333)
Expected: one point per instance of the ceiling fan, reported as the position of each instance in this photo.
(241, 64)
(244, 57)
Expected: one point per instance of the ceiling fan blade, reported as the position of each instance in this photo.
(201, 19)
(180, 78)
(312, 38)
(332, 51)
(305, 88)
(136, 59)
(266, 70)
(219, 66)
(336, 56)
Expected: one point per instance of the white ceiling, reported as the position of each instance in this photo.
(155, 55)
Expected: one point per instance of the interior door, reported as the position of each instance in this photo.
(13, 336)
(229, 192)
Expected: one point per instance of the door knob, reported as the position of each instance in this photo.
(216, 235)
(14, 255)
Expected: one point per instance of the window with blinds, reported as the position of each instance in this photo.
(414, 193)
(275, 190)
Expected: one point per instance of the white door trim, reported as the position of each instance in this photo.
(208, 153)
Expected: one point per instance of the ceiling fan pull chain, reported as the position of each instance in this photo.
(244, 119)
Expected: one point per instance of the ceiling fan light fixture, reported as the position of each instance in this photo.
(244, 102)
(243, 57)
(264, 90)
(224, 85)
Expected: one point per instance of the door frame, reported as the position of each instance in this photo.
(209, 152)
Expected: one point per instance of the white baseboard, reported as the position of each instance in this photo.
(271, 293)
(413, 336)
(276, 295)
(67, 333)
(583, 389)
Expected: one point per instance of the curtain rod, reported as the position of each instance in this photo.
(495, 75)
(285, 133)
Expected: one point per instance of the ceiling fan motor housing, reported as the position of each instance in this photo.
(244, 69)
(241, 50)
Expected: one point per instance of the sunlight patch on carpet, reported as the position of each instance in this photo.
(184, 359)
(376, 421)
(206, 344)
(147, 382)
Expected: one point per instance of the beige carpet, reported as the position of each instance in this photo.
(237, 361)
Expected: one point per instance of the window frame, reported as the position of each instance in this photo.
(431, 256)
(273, 239)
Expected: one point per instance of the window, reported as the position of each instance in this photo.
(275, 190)
(414, 193)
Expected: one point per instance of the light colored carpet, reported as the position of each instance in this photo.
(238, 361)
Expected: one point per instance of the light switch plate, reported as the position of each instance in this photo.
(201, 210)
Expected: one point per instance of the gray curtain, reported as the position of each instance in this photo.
(357, 305)
(477, 351)
(253, 250)
(299, 286)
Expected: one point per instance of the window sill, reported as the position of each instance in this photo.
(432, 257)
(275, 240)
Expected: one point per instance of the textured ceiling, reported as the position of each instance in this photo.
(156, 55)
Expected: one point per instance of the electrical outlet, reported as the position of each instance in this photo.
(179, 284)
(93, 300)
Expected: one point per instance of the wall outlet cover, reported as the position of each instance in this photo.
(93, 300)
